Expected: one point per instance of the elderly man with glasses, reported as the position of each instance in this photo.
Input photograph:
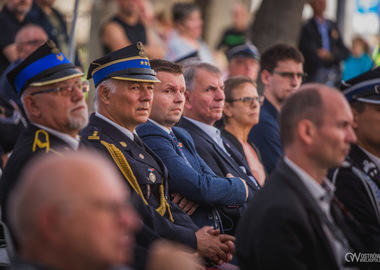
(52, 94)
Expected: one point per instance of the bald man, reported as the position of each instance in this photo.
(77, 218)
(294, 218)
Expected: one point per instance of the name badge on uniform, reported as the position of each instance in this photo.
(151, 175)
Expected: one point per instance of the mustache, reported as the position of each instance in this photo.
(77, 105)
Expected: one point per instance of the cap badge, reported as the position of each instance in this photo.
(377, 89)
(53, 47)
(60, 57)
(140, 46)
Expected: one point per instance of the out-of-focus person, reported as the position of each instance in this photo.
(60, 208)
(243, 60)
(29, 38)
(359, 60)
(12, 123)
(14, 120)
(12, 17)
(187, 37)
(322, 46)
(241, 112)
(357, 181)
(281, 74)
(235, 34)
(53, 22)
(294, 222)
(132, 23)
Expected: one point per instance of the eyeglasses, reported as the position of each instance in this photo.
(249, 100)
(290, 75)
(66, 90)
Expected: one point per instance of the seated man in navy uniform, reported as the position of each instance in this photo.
(124, 93)
(189, 174)
(52, 94)
(358, 179)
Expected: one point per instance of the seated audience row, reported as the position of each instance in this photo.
(187, 182)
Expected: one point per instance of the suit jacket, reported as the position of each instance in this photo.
(214, 156)
(281, 228)
(196, 182)
(31, 142)
(356, 183)
(311, 41)
(146, 166)
(222, 164)
(229, 136)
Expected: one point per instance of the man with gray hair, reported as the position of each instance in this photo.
(203, 107)
(124, 93)
(53, 97)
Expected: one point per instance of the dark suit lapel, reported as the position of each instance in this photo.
(190, 126)
(308, 201)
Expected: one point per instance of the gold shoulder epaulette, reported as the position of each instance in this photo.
(43, 142)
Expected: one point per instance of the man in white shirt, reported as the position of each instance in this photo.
(203, 107)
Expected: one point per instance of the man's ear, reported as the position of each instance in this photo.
(265, 76)
(306, 131)
(187, 100)
(355, 123)
(49, 222)
(104, 94)
(31, 106)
